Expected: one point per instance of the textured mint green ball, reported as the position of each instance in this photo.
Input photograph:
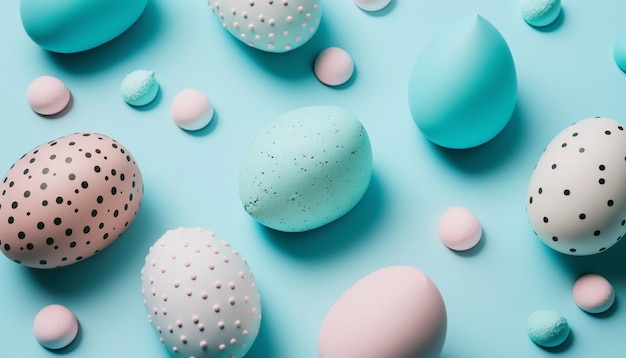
(547, 328)
(540, 13)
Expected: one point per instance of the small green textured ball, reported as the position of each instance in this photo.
(540, 13)
(547, 328)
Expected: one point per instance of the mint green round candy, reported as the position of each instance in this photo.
(547, 328)
(68, 26)
(139, 88)
(540, 13)
(463, 87)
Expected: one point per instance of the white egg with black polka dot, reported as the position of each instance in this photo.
(576, 200)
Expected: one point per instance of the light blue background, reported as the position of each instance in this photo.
(566, 73)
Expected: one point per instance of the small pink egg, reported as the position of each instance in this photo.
(593, 293)
(47, 95)
(192, 110)
(55, 327)
(459, 229)
(333, 66)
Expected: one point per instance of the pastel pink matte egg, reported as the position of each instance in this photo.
(47, 95)
(459, 229)
(55, 327)
(192, 110)
(333, 66)
(593, 293)
(394, 312)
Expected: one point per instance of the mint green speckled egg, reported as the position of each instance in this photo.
(305, 169)
(68, 26)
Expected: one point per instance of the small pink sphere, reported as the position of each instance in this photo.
(47, 95)
(593, 293)
(333, 66)
(459, 229)
(192, 110)
(55, 327)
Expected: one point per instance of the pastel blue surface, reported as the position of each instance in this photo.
(566, 72)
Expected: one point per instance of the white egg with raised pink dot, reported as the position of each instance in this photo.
(269, 25)
(200, 295)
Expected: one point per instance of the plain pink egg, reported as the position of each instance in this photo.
(191, 109)
(459, 229)
(333, 66)
(47, 95)
(593, 293)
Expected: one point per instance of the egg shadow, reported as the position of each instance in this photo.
(101, 272)
(337, 236)
(133, 40)
(491, 154)
(609, 263)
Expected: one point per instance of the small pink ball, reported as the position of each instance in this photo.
(55, 327)
(333, 66)
(47, 95)
(192, 110)
(593, 293)
(459, 229)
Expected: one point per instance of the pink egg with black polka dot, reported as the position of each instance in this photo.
(576, 199)
(200, 295)
(67, 200)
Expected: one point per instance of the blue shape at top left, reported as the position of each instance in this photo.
(69, 26)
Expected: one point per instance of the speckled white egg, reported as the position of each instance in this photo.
(576, 200)
(306, 168)
(68, 199)
(394, 312)
(269, 25)
(200, 295)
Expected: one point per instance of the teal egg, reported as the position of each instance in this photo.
(463, 87)
(68, 26)
(306, 168)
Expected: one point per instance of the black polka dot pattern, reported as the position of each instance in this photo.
(576, 199)
(56, 208)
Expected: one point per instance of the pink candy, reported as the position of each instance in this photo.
(48, 95)
(55, 327)
(593, 293)
(459, 229)
(191, 110)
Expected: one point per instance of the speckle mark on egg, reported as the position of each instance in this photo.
(54, 212)
(306, 168)
(576, 197)
(203, 319)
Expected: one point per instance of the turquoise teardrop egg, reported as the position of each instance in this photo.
(68, 26)
(463, 87)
